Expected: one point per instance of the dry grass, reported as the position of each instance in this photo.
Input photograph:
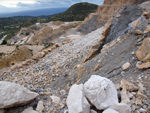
(20, 54)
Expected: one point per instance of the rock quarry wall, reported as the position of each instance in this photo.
(104, 13)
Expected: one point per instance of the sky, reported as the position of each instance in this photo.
(9, 6)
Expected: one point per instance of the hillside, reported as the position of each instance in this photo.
(76, 12)
(10, 26)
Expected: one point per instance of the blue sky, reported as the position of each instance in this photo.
(8, 6)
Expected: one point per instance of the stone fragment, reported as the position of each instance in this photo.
(29, 110)
(24, 63)
(45, 51)
(96, 67)
(76, 101)
(142, 110)
(58, 45)
(147, 29)
(121, 108)
(138, 101)
(63, 92)
(129, 86)
(130, 95)
(140, 95)
(136, 23)
(146, 14)
(118, 15)
(64, 110)
(92, 111)
(137, 32)
(118, 87)
(126, 66)
(53, 47)
(41, 54)
(13, 94)
(40, 107)
(19, 66)
(77, 66)
(49, 50)
(143, 53)
(109, 110)
(133, 107)
(124, 96)
(144, 66)
(100, 92)
(35, 57)
(55, 99)
(138, 64)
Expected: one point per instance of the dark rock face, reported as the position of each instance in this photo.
(87, 28)
(129, 14)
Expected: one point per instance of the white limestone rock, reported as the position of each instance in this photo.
(55, 99)
(12, 94)
(101, 92)
(121, 108)
(40, 107)
(41, 54)
(76, 100)
(126, 66)
(109, 110)
(29, 110)
(92, 111)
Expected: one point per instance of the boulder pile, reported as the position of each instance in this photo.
(99, 94)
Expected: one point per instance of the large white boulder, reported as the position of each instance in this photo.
(55, 99)
(109, 110)
(76, 100)
(121, 108)
(100, 92)
(12, 94)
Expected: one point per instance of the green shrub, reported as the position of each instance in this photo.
(4, 42)
(27, 33)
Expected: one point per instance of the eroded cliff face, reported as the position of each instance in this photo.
(104, 13)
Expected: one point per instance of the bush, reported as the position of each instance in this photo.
(27, 33)
(4, 42)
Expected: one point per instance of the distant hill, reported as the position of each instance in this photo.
(76, 12)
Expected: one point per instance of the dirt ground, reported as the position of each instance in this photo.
(7, 49)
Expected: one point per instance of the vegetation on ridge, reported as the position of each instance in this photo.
(77, 12)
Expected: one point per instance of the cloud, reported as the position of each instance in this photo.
(19, 5)
(22, 5)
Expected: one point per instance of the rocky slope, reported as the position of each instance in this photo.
(118, 50)
(104, 13)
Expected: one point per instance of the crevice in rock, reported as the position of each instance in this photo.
(95, 109)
